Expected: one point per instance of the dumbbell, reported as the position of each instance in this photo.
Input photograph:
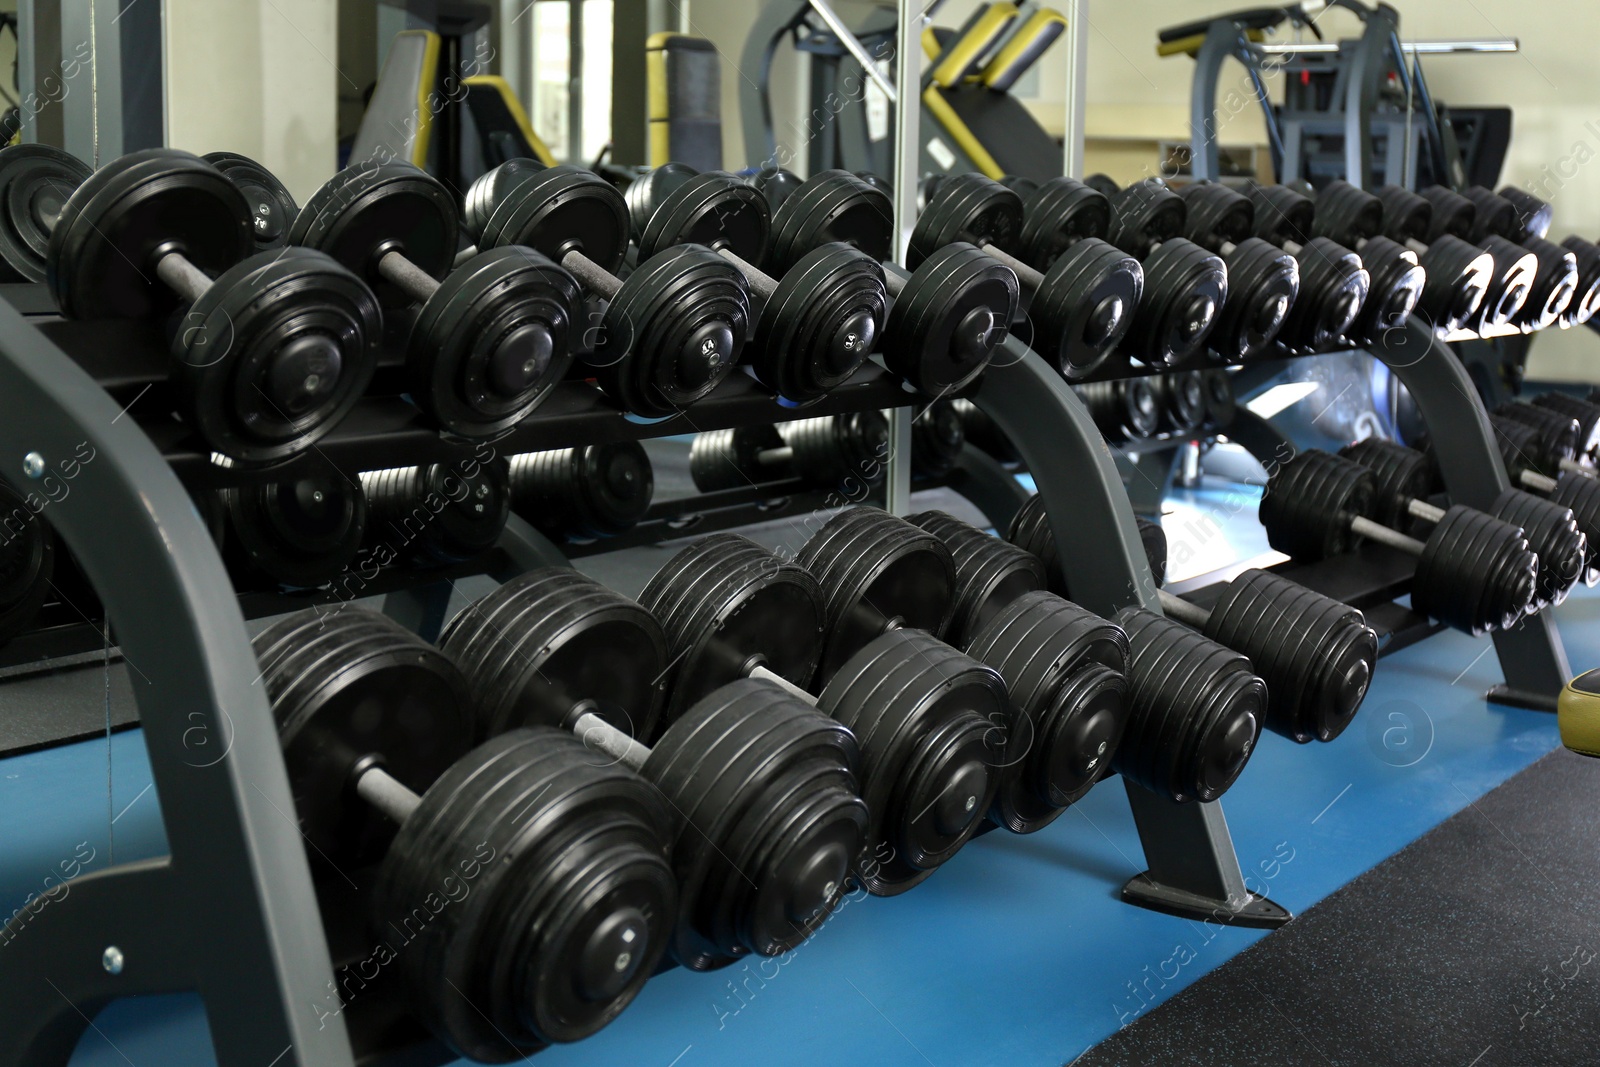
(1064, 667)
(1576, 491)
(266, 359)
(1533, 217)
(928, 719)
(1125, 409)
(1474, 573)
(272, 207)
(27, 562)
(1586, 300)
(1512, 271)
(1586, 413)
(671, 331)
(485, 194)
(946, 320)
(1458, 274)
(1221, 404)
(1353, 217)
(821, 451)
(776, 183)
(528, 933)
(1081, 303)
(491, 338)
(438, 513)
(1315, 654)
(1185, 286)
(588, 492)
(1334, 285)
(768, 817)
(818, 323)
(300, 532)
(1559, 437)
(1182, 395)
(1555, 281)
(1404, 476)
(1030, 531)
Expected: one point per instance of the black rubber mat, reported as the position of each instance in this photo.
(1476, 946)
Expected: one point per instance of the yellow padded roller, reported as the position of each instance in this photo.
(1578, 714)
(1188, 46)
(1023, 50)
(967, 50)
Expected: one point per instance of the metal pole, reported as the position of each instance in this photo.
(575, 83)
(1475, 46)
(860, 54)
(1072, 115)
(907, 158)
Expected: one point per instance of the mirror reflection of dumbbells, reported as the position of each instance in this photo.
(1575, 489)
(273, 348)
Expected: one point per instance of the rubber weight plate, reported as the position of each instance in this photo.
(270, 203)
(1057, 216)
(104, 247)
(559, 210)
(949, 319)
(1581, 494)
(967, 207)
(566, 897)
(301, 532)
(728, 605)
(846, 451)
(35, 182)
(492, 342)
(552, 644)
(1263, 284)
(1085, 306)
(1406, 216)
(367, 211)
(275, 353)
(1397, 284)
(832, 205)
(1456, 283)
(1554, 537)
(1333, 289)
(491, 189)
(351, 687)
(714, 209)
(439, 513)
(1476, 573)
(727, 459)
(933, 726)
(776, 184)
(1586, 298)
(1183, 400)
(937, 438)
(1309, 501)
(820, 325)
(1125, 409)
(589, 492)
(1400, 475)
(877, 571)
(1184, 286)
(990, 573)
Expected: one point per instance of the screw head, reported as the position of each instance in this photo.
(33, 465)
(111, 959)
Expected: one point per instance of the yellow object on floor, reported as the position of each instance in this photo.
(1578, 714)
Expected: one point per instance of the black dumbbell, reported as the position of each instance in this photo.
(300, 532)
(1513, 270)
(1575, 490)
(1334, 285)
(1533, 214)
(540, 935)
(1554, 283)
(1125, 409)
(1182, 396)
(1315, 654)
(485, 194)
(1585, 412)
(27, 562)
(1030, 531)
(1082, 299)
(1404, 478)
(1459, 274)
(1221, 404)
(1533, 218)
(1474, 573)
(1586, 299)
(776, 183)
(438, 513)
(1561, 438)
(821, 451)
(267, 358)
(491, 339)
(768, 817)
(671, 331)
(818, 323)
(946, 320)
(927, 718)
(272, 208)
(1354, 217)
(589, 492)
(1185, 286)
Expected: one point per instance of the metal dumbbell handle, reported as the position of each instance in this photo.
(1025, 274)
(407, 277)
(1539, 483)
(761, 283)
(772, 456)
(182, 277)
(1365, 527)
(591, 274)
(601, 736)
(1423, 510)
(1178, 608)
(386, 793)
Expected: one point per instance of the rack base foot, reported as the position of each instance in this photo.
(1257, 912)
(1520, 698)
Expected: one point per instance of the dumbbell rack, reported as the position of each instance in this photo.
(232, 912)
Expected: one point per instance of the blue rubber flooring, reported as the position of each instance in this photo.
(1017, 953)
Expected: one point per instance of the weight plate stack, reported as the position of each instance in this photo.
(35, 182)
(832, 205)
(775, 183)
(947, 322)
(1030, 531)
(1457, 277)
(301, 533)
(673, 332)
(1553, 535)
(1406, 216)
(823, 321)
(1400, 475)
(1281, 214)
(559, 210)
(937, 437)
(27, 563)
(1196, 710)
(1476, 573)
(493, 188)
(1184, 286)
(1086, 305)
(1554, 286)
(1333, 289)
(492, 342)
(347, 684)
(934, 726)
(1221, 405)
(1263, 284)
(552, 644)
(1515, 271)
(1065, 669)
(1315, 654)
(1183, 400)
(1519, 446)
(1586, 298)
(1058, 215)
(1533, 214)
(1581, 494)
(967, 207)
(712, 208)
(877, 572)
(1397, 282)
(1452, 214)
(729, 459)
(272, 206)
(440, 513)
(1586, 414)
(990, 573)
(1557, 435)
(1347, 213)
(830, 449)
(1125, 409)
(1309, 501)
(590, 492)
(1493, 216)
(769, 821)
(728, 605)
(561, 927)
(266, 374)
